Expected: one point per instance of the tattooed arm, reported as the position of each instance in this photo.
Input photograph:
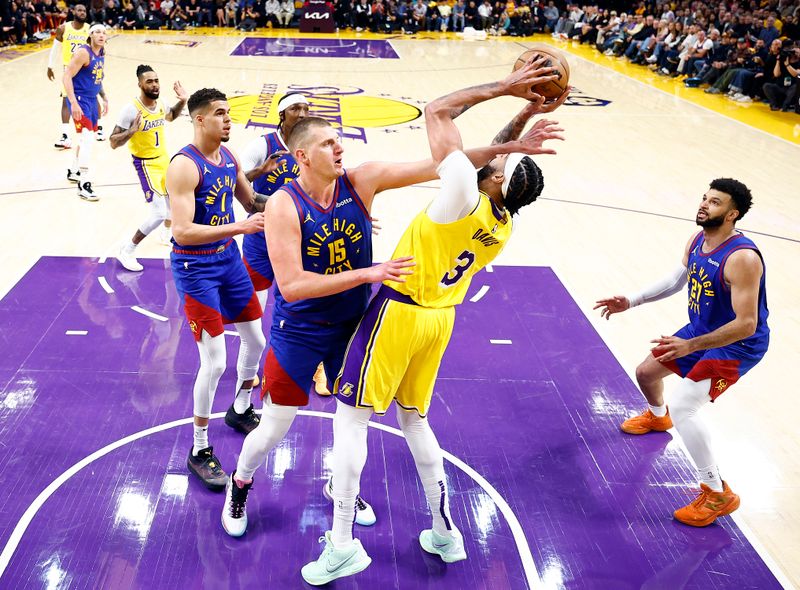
(444, 137)
(515, 126)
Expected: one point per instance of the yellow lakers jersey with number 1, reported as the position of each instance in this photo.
(448, 255)
(72, 39)
(148, 142)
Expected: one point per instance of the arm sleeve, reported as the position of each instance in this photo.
(667, 286)
(459, 193)
(126, 116)
(254, 154)
(55, 54)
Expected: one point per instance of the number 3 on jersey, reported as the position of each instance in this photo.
(464, 260)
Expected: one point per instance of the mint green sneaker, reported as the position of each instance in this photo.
(450, 549)
(335, 563)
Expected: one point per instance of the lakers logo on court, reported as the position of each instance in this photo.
(347, 108)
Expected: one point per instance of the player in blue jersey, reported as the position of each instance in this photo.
(203, 178)
(83, 82)
(727, 335)
(318, 234)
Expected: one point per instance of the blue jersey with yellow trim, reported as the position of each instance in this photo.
(287, 169)
(213, 196)
(89, 79)
(334, 240)
(710, 303)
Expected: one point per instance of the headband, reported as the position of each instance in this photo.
(508, 170)
(97, 27)
(291, 99)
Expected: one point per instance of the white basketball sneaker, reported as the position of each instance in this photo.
(64, 143)
(73, 175)
(128, 260)
(335, 563)
(234, 513)
(449, 548)
(365, 515)
(85, 191)
(100, 135)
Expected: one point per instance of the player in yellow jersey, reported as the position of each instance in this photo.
(69, 36)
(398, 346)
(141, 126)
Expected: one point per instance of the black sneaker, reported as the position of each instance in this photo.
(244, 423)
(206, 466)
(234, 514)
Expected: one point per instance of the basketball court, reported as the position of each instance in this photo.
(98, 364)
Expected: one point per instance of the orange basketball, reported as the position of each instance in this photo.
(554, 88)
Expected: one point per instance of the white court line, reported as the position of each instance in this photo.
(102, 259)
(489, 268)
(528, 565)
(104, 283)
(231, 333)
(76, 332)
(479, 295)
(500, 341)
(148, 313)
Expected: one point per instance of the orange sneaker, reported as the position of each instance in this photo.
(321, 381)
(645, 422)
(708, 506)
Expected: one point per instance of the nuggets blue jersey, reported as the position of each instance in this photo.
(710, 297)
(254, 245)
(334, 240)
(89, 79)
(286, 171)
(213, 196)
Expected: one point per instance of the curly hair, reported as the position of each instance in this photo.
(739, 193)
(142, 70)
(204, 97)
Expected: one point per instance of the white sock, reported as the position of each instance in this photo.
(84, 175)
(200, 439)
(710, 476)
(430, 467)
(129, 247)
(65, 129)
(658, 411)
(242, 400)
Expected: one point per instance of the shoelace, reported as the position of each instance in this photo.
(360, 504)
(237, 506)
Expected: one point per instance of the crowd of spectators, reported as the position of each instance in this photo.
(746, 49)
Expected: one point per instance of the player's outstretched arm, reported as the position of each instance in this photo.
(443, 135)
(284, 242)
(537, 106)
(182, 179)
(176, 110)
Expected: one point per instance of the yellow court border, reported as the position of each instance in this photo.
(785, 126)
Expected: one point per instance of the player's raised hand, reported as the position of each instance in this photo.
(391, 270)
(549, 107)
(180, 91)
(137, 121)
(532, 142)
(50, 75)
(271, 163)
(520, 82)
(612, 305)
(253, 224)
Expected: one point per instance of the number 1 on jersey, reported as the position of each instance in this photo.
(156, 138)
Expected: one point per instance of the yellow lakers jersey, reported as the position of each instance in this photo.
(148, 142)
(448, 255)
(73, 38)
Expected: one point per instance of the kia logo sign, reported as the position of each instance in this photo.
(317, 15)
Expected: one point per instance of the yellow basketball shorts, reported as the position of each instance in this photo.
(152, 175)
(395, 354)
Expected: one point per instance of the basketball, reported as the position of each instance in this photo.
(554, 88)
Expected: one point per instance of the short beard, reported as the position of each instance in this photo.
(152, 95)
(710, 222)
(224, 139)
